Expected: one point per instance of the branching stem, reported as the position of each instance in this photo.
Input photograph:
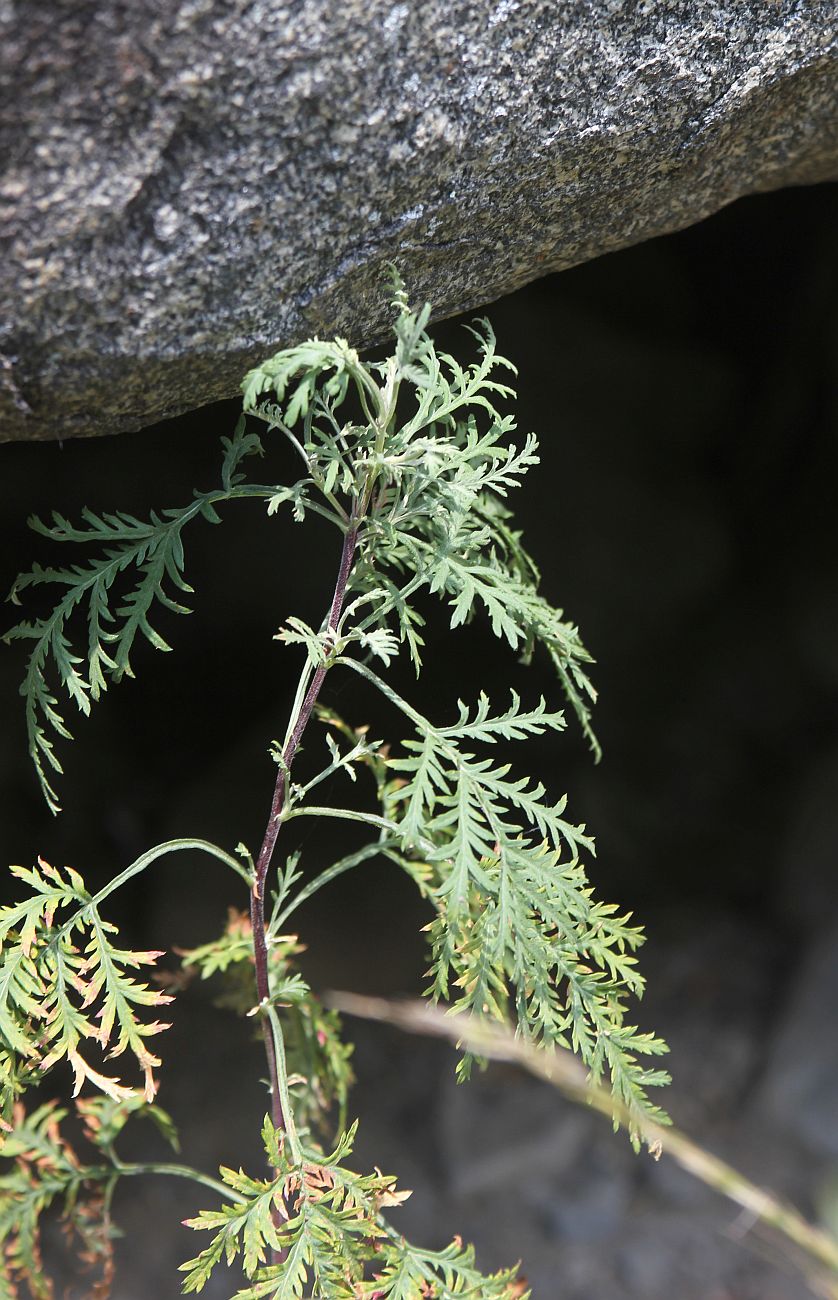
(263, 861)
(326, 877)
(145, 860)
(178, 1171)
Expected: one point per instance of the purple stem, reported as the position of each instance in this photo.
(263, 862)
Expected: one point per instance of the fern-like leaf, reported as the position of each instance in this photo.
(45, 1173)
(517, 926)
(155, 550)
(411, 1273)
(329, 1223)
(152, 550)
(64, 984)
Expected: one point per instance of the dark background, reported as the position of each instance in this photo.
(684, 393)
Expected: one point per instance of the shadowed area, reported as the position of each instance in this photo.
(684, 393)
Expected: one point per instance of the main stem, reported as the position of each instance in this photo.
(263, 861)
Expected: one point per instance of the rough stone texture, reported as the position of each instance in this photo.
(190, 185)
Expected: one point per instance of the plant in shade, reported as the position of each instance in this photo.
(411, 461)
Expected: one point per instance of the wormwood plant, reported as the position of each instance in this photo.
(411, 461)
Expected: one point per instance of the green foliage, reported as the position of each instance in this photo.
(103, 1118)
(44, 1173)
(153, 551)
(412, 461)
(516, 917)
(320, 1075)
(327, 1223)
(65, 983)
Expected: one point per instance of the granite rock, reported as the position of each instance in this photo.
(190, 185)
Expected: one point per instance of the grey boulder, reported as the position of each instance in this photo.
(188, 186)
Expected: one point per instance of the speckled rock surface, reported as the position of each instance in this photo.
(189, 185)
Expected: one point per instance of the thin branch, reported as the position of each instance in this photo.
(178, 1171)
(279, 1052)
(344, 814)
(263, 861)
(562, 1070)
(386, 690)
(266, 852)
(326, 877)
(145, 860)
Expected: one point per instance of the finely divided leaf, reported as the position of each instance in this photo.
(65, 984)
(517, 925)
(330, 1225)
(153, 549)
(44, 1172)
